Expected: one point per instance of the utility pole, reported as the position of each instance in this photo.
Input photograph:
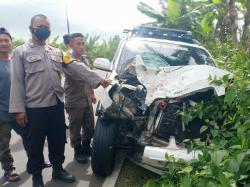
(67, 17)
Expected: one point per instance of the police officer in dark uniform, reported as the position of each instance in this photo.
(78, 103)
(36, 97)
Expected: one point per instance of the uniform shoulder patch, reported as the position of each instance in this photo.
(54, 49)
(55, 53)
(67, 59)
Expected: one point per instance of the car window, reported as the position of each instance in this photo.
(161, 54)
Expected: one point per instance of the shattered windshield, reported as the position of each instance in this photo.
(161, 54)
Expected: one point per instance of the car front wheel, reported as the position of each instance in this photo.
(103, 148)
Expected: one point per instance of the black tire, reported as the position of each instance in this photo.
(103, 148)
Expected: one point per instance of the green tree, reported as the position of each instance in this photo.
(206, 18)
(17, 42)
(104, 49)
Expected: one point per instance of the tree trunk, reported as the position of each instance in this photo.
(233, 17)
(246, 32)
(220, 29)
(227, 21)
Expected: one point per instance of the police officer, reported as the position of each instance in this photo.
(36, 97)
(78, 103)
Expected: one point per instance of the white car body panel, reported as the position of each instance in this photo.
(177, 81)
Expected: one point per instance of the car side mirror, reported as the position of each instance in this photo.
(102, 64)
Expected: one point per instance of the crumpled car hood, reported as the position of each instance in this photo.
(177, 81)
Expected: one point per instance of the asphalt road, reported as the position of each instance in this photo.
(83, 173)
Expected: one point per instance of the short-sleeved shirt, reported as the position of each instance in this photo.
(5, 92)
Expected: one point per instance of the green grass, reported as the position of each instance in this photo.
(132, 175)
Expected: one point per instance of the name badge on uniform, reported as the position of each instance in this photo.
(33, 58)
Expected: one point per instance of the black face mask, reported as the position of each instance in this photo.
(42, 33)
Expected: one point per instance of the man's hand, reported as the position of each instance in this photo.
(21, 118)
(93, 98)
(105, 83)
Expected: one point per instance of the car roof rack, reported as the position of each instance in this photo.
(161, 33)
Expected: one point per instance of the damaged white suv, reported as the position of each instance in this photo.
(156, 73)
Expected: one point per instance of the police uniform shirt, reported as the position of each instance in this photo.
(77, 93)
(36, 76)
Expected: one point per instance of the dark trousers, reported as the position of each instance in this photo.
(6, 158)
(44, 122)
(81, 125)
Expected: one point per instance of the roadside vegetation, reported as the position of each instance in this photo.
(132, 175)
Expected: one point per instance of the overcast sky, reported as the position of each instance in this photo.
(96, 17)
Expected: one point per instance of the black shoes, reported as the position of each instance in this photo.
(37, 180)
(62, 175)
(58, 174)
(79, 156)
(82, 152)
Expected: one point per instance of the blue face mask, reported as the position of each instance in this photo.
(42, 33)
